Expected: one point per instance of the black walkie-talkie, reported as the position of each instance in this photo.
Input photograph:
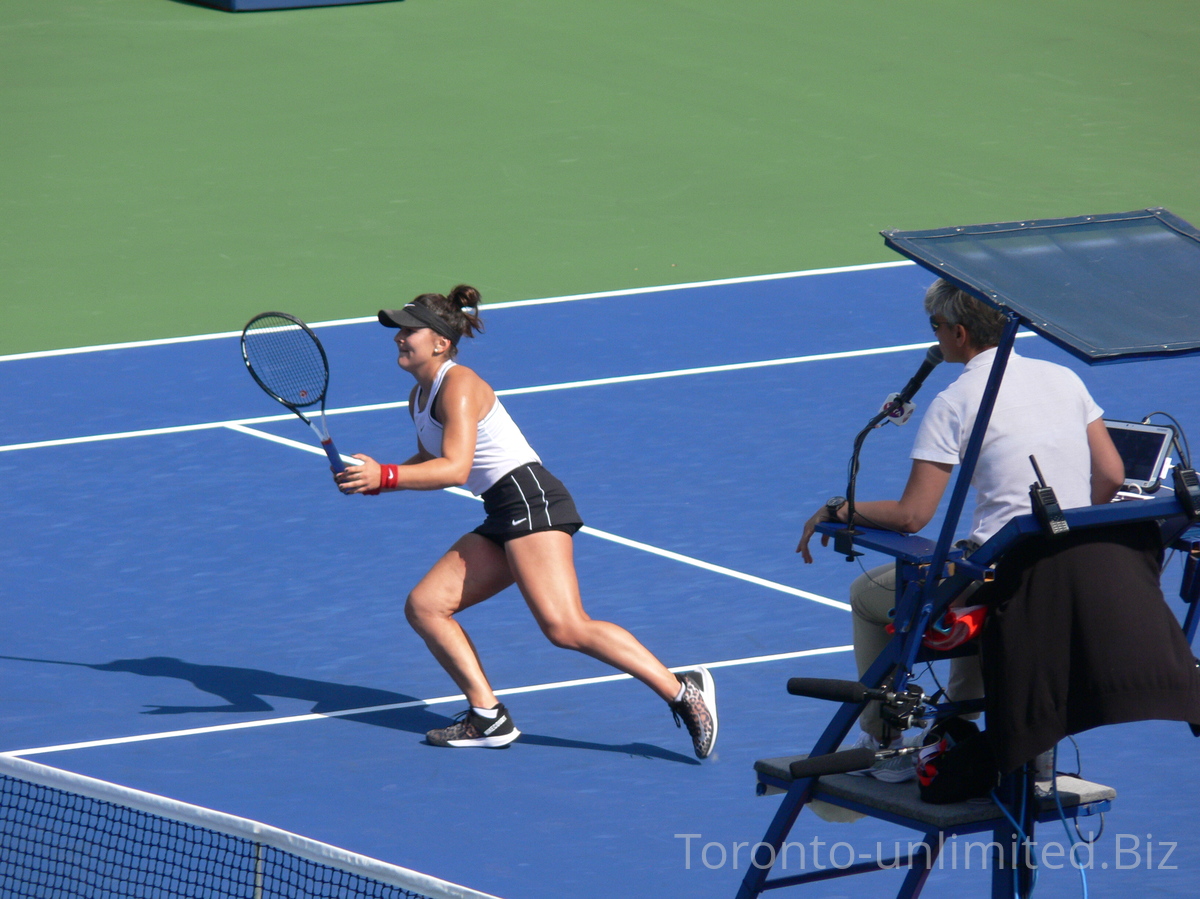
(1045, 505)
(1187, 491)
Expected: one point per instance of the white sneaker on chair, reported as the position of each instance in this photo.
(893, 770)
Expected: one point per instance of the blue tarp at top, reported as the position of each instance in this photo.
(261, 5)
(1107, 288)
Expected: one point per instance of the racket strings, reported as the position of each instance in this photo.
(287, 360)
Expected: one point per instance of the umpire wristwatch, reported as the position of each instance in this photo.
(832, 505)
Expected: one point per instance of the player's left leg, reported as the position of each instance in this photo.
(473, 570)
(543, 566)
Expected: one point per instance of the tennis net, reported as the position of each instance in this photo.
(66, 835)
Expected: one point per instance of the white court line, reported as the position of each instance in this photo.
(286, 441)
(416, 703)
(718, 569)
(240, 426)
(233, 424)
(487, 307)
(595, 532)
(511, 391)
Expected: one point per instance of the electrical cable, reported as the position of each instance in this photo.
(1062, 816)
(1184, 449)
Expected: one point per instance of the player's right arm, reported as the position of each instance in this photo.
(366, 477)
(462, 401)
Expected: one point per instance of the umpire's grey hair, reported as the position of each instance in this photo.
(984, 324)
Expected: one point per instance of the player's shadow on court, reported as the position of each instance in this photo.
(243, 690)
(643, 750)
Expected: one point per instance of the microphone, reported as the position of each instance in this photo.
(897, 409)
(932, 358)
(834, 763)
(834, 690)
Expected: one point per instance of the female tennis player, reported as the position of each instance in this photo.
(466, 437)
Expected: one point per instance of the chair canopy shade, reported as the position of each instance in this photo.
(1107, 288)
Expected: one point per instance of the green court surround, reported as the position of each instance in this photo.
(172, 169)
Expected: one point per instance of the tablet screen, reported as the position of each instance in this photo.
(1143, 449)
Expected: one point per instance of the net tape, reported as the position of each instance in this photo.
(65, 835)
(286, 359)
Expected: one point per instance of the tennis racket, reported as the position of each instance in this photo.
(285, 358)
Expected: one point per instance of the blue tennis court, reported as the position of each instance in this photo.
(193, 610)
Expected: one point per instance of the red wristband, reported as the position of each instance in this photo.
(389, 475)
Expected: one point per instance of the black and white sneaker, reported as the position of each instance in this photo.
(472, 729)
(698, 710)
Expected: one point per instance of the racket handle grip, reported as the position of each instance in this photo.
(334, 458)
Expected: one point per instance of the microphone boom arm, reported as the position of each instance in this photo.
(844, 541)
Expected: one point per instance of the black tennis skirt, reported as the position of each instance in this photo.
(527, 500)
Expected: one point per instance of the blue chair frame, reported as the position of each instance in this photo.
(930, 574)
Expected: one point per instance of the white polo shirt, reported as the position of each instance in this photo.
(1042, 410)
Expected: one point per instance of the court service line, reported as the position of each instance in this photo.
(594, 532)
(717, 569)
(511, 391)
(412, 704)
(487, 307)
(232, 424)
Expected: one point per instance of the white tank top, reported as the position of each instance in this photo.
(499, 444)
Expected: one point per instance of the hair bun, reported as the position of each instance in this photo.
(465, 297)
